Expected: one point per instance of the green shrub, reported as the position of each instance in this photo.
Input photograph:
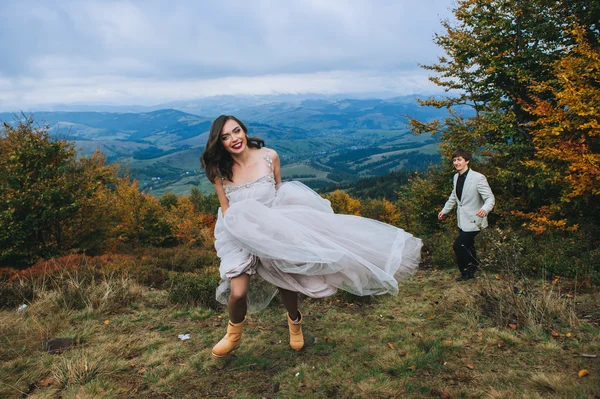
(195, 288)
(15, 293)
(149, 276)
(439, 247)
(191, 259)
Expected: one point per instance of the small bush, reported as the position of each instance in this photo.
(195, 288)
(512, 297)
(15, 293)
(439, 246)
(77, 369)
(189, 260)
(149, 276)
(83, 290)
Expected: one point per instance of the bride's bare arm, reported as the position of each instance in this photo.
(276, 167)
(223, 201)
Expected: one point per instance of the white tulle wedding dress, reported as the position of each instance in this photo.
(289, 237)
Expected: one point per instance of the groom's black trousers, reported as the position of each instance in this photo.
(464, 248)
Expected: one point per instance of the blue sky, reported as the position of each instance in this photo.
(148, 52)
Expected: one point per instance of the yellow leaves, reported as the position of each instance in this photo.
(563, 127)
(391, 345)
(513, 326)
(554, 333)
(106, 322)
(341, 202)
(583, 373)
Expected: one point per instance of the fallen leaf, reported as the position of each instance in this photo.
(444, 395)
(555, 333)
(497, 277)
(419, 276)
(583, 373)
(469, 366)
(447, 341)
(569, 295)
(106, 322)
(390, 345)
(141, 371)
(45, 382)
(568, 335)
(513, 326)
(556, 280)
(131, 365)
(501, 344)
(400, 353)
(430, 317)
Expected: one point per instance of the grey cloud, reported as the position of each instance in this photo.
(214, 39)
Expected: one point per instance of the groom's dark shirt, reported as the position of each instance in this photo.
(460, 184)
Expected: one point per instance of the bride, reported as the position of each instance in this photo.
(288, 236)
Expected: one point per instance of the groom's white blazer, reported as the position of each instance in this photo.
(476, 195)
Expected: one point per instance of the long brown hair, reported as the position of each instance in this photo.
(216, 160)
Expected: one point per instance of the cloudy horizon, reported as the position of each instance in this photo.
(145, 53)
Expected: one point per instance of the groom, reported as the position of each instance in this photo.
(475, 200)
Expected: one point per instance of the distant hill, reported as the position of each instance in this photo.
(321, 140)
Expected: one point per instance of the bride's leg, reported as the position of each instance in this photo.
(237, 316)
(290, 301)
(237, 303)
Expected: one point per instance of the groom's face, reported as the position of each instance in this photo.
(460, 164)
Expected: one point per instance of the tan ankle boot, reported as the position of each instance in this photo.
(296, 337)
(230, 341)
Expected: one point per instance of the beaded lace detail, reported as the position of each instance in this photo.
(270, 177)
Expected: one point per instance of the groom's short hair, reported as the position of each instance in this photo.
(466, 155)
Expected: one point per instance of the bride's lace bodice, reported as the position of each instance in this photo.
(269, 178)
(261, 189)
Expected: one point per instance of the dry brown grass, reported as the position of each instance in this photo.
(433, 337)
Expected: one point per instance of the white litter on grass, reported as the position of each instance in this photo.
(22, 307)
(184, 337)
(298, 374)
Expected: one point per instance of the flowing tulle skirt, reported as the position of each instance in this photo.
(294, 241)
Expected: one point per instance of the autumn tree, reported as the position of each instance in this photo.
(566, 135)
(500, 58)
(380, 209)
(44, 186)
(204, 203)
(341, 202)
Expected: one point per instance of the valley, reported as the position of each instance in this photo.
(321, 141)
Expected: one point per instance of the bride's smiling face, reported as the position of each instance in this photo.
(233, 137)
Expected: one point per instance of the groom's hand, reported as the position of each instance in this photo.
(441, 215)
(481, 213)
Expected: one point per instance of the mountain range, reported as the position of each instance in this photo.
(320, 140)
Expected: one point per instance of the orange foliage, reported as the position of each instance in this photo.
(567, 132)
(343, 203)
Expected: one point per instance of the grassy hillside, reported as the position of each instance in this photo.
(436, 339)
